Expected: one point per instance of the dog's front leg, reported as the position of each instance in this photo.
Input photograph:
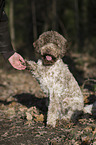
(33, 67)
(53, 110)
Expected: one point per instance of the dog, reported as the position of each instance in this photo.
(65, 97)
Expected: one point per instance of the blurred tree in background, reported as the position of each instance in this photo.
(74, 19)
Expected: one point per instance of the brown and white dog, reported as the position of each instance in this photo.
(55, 79)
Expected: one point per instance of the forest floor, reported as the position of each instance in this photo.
(23, 110)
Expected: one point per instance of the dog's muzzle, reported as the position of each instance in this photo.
(48, 59)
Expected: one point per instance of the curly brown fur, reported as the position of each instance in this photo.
(51, 37)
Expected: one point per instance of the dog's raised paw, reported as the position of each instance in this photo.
(31, 65)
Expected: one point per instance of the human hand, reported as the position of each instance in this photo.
(16, 61)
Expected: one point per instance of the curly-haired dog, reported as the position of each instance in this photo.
(65, 97)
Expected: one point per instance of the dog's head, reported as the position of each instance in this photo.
(51, 46)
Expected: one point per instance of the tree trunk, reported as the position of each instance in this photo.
(11, 21)
(77, 20)
(80, 23)
(54, 19)
(34, 19)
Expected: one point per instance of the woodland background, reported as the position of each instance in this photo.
(22, 102)
(74, 19)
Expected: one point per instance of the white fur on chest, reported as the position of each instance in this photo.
(52, 77)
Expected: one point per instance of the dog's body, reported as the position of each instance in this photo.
(65, 96)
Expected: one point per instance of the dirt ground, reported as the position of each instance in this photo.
(23, 109)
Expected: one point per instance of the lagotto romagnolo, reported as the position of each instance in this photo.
(65, 96)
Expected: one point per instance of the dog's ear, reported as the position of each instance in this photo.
(37, 46)
(64, 49)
